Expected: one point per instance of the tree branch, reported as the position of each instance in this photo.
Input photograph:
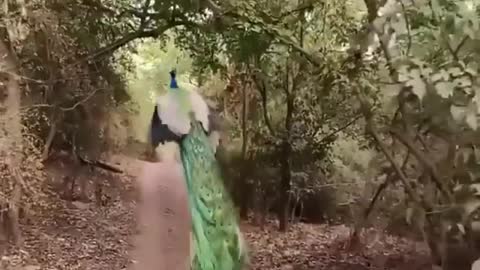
(226, 18)
(371, 9)
(425, 162)
(389, 179)
(216, 9)
(51, 135)
(262, 88)
(130, 37)
(455, 51)
(143, 19)
(71, 108)
(411, 192)
(336, 131)
(407, 25)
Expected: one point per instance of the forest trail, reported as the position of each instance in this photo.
(86, 236)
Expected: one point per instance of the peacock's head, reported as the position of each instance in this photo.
(173, 81)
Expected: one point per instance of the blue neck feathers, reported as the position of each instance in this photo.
(173, 81)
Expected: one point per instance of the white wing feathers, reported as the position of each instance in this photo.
(175, 118)
(200, 109)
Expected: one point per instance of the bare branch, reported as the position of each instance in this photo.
(454, 51)
(71, 108)
(262, 88)
(336, 131)
(425, 162)
(372, 9)
(51, 135)
(407, 25)
(390, 179)
(226, 18)
(130, 37)
(144, 13)
(216, 9)
(460, 45)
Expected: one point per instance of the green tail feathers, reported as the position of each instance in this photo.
(218, 243)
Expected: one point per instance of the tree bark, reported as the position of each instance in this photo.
(286, 172)
(244, 172)
(285, 186)
(10, 134)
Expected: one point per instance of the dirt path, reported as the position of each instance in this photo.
(164, 215)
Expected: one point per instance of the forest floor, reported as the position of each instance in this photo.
(91, 237)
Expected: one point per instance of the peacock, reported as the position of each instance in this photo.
(183, 130)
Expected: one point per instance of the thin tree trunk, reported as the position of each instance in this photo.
(286, 150)
(285, 186)
(51, 136)
(244, 172)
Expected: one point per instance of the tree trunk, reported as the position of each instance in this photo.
(10, 135)
(244, 191)
(244, 171)
(51, 135)
(286, 150)
(285, 186)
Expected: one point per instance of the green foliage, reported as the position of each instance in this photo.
(150, 77)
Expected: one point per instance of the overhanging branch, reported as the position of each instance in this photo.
(130, 37)
(425, 161)
(336, 131)
(226, 19)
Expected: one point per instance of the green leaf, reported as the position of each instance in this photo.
(445, 89)
(455, 72)
(441, 75)
(391, 7)
(419, 87)
(470, 70)
(426, 71)
(463, 81)
(399, 25)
